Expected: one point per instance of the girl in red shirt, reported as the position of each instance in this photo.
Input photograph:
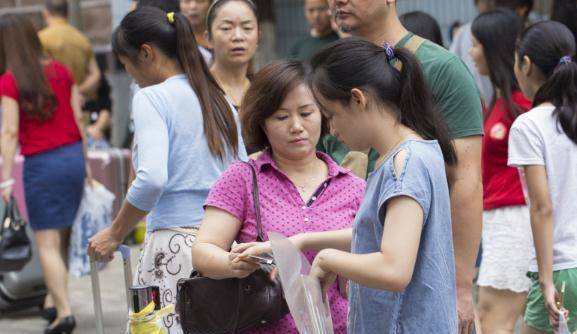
(507, 242)
(41, 112)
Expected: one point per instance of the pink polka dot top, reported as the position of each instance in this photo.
(332, 207)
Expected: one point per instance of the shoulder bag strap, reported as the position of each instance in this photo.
(256, 203)
(412, 45)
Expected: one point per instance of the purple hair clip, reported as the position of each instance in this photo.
(565, 60)
(389, 52)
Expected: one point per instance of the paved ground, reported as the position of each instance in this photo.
(114, 304)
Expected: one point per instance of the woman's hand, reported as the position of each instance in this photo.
(88, 175)
(103, 245)
(552, 304)
(7, 193)
(325, 277)
(94, 132)
(241, 268)
(244, 251)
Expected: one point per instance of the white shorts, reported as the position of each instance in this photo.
(507, 249)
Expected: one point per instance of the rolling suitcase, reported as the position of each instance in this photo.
(111, 168)
(25, 288)
(125, 252)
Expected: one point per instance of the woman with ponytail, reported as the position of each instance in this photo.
(186, 135)
(543, 142)
(507, 242)
(401, 265)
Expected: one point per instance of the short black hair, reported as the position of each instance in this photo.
(516, 4)
(424, 25)
(57, 7)
(165, 5)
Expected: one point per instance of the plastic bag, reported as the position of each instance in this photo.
(302, 292)
(94, 215)
(563, 327)
(149, 321)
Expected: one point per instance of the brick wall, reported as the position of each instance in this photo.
(96, 20)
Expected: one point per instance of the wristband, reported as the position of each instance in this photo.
(7, 183)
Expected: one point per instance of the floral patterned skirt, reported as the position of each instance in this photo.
(165, 258)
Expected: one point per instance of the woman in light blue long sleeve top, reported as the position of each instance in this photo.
(186, 135)
(174, 166)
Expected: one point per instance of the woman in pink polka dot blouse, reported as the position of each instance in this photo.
(301, 191)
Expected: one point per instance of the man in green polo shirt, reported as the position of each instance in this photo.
(459, 101)
(321, 33)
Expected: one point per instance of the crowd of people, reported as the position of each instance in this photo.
(386, 158)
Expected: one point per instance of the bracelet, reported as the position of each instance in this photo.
(7, 183)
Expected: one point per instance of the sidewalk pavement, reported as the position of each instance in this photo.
(113, 301)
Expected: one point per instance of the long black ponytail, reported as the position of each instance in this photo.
(551, 47)
(356, 63)
(173, 34)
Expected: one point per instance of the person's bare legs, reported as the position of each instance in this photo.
(54, 269)
(499, 310)
(48, 302)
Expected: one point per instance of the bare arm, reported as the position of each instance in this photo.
(97, 129)
(77, 108)
(466, 190)
(128, 217)
(541, 220)
(392, 267)
(210, 251)
(317, 241)
(542, 227)
(9, 141)
(90, 84)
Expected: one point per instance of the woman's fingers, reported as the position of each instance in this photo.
(242, 247)
(273, 273)
(255, 248)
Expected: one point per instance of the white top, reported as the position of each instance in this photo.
(461, 45)
(536, 138)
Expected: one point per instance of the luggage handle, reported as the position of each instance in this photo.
(96, 294)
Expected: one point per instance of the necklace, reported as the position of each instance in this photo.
(302, 188)
(312, 181)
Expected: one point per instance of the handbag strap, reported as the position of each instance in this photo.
(14, 212)
(255, 198)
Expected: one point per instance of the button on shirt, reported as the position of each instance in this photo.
(284, 211)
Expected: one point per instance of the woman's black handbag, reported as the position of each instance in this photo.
(15, 248)
(208, 306)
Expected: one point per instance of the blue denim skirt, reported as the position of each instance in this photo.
(53, 186)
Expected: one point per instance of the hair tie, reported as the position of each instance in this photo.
(389, 52)
(170, 17)
(565, 60)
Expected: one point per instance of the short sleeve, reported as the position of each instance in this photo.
(526, 146)
(229, 192)
(458, 98)
(413, 182)
(8, 86)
